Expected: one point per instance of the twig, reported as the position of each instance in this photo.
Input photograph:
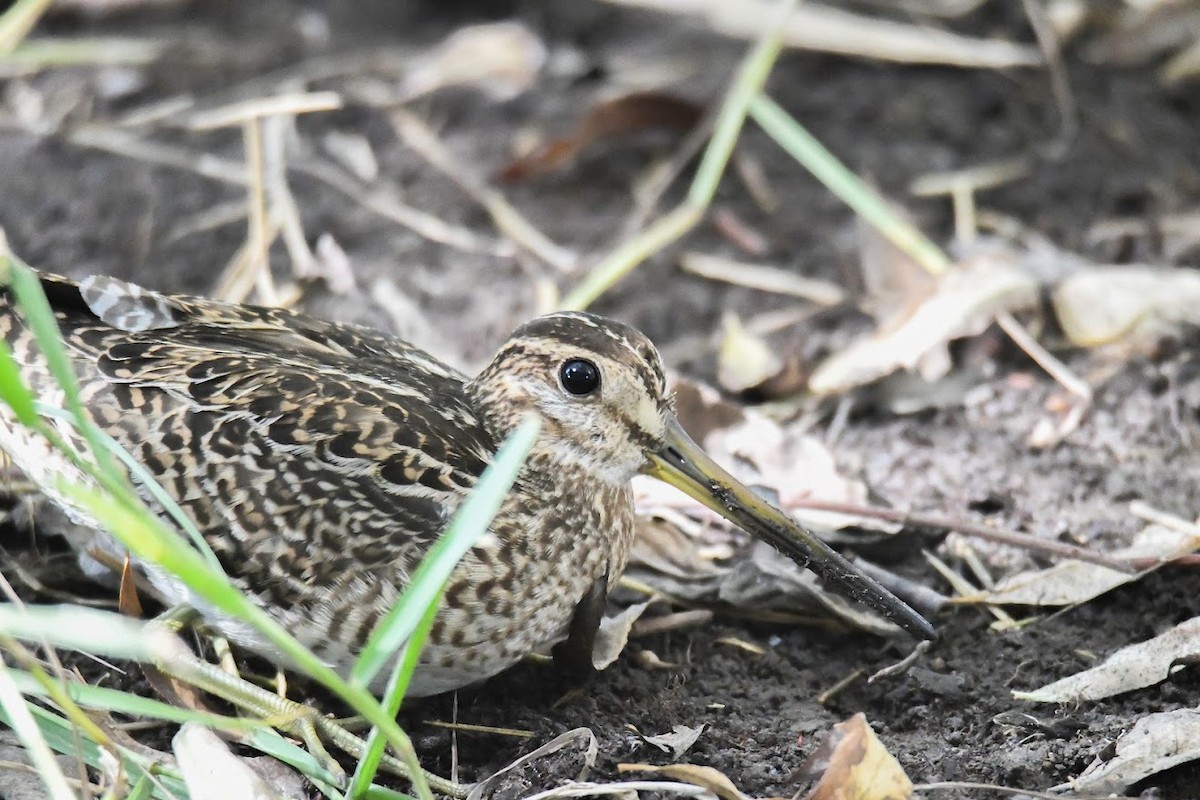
(845, 683)
(1056, 369)
(1023, 541)
(470, 728)
(964, 588)
(289, 105)
(1060, 84)
(833, 30)
(413, 131)
(903, 664)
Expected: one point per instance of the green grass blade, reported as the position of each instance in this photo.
(18, 21)
(27, 730)
(13, 390)
(849, 188)
(64, 738)
(142, 790)
(413, 616)
(85, 630)
(469, 523)
(398, 682)
(383, 793)
(101, 698)
(27, 287)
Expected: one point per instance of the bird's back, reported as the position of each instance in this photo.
(319, 460)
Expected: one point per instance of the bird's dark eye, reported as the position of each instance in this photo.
(579, 376)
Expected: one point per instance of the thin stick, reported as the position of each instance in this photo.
(1023, 541)
(413, 131)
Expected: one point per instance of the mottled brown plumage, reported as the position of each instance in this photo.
(321, 461)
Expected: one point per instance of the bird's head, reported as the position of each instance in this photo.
(598, 388)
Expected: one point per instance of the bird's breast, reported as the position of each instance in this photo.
(516, 591)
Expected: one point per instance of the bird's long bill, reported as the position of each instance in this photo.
(680, 462)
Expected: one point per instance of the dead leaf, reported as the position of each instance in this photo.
(620, 117)
(793, 464)
(678, 741)
(1072, 581)
(613, 635)
(744, 361)
(501, 59)
(1133, 667)
(707, 777)
(1102, 305)
(128, 602)
(1156, 742)
(573, 737)
(211, 771)
(856, 766)
(963, 301)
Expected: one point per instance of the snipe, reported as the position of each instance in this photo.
(322, 460)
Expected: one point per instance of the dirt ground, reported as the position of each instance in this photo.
(76, 210)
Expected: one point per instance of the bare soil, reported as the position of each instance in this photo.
(75, 210)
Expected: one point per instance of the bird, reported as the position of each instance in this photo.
(321, 461)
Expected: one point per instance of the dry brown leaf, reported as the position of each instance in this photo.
(1156, 743)
(623, 116)
(964, 301)
(707, 777)
(1134, 667)
(128, 602)
(858, 766)
(1072, 581)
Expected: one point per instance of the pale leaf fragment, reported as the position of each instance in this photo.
(614, 635)
(708, 778)
(964, 301)
(502, 59)
(1156, 743)
(857, 766)
(1103, 305)
(211, 771)
(744, 361)
(678, 741)
(1072, 581)
(1133, 667)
